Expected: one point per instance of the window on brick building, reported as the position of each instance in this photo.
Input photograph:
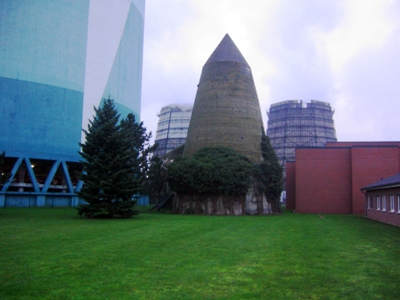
(391, 200)
(370, 203)
(398, 204)
(383, 203)
(378, 203)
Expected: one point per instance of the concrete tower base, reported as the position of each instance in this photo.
(222, 205)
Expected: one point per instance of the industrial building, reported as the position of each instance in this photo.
(327, 180)
(295, 123)
(58, 59)
(226, 110)
(226, 113)
(172, 128)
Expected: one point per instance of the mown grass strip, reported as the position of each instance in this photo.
(54, 254)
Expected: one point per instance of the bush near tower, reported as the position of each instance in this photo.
(115, 160)
(218, 172)
(211, 170)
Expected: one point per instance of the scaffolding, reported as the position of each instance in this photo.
(172, 127)
(295, 123)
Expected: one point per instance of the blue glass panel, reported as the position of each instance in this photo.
(39, 121)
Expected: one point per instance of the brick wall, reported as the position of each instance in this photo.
(328, 180)
(322, 181)
(370, 164)
(290, 185)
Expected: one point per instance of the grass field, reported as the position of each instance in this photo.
(54, 254)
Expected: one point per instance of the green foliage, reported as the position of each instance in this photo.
(114, 161)
(138, 146)
(269, 174)
(156, 180)
(222, 171)
(211, 170)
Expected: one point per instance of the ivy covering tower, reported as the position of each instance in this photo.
(269, 175)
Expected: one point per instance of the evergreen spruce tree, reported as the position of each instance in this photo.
(138, 150)
(113, 156)
(156, 180)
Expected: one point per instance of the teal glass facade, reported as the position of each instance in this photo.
(51, 58)
(42, 69)
(58, 59)
(125, 82)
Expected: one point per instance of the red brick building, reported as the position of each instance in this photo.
(328, 179)
(382, 200)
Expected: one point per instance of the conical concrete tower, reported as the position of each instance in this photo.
(226, 110)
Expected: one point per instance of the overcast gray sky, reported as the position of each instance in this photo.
(345, 52)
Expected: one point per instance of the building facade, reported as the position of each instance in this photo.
(172, 127)
(295, 123)
(59, 59)
(328, 179)
(382, 200)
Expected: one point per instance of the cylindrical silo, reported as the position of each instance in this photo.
(295, 123)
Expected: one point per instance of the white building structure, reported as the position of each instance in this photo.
(172, 127)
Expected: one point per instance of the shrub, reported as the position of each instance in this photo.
(212, 171)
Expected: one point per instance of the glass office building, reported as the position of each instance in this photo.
(172, 127)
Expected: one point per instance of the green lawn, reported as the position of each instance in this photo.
(54, 254)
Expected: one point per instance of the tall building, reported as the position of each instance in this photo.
(226, 110)
(226, 113)
(173, 124)
(295, 123)
(58, 59)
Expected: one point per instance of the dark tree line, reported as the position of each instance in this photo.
(117, 165)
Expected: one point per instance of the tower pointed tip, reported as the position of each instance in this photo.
(227, 51)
